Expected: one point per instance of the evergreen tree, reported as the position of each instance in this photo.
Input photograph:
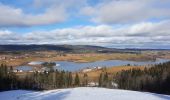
(106, 78)
(85, 79)
(77, 80)
(100, 80)
(69, 79)
(153, 79)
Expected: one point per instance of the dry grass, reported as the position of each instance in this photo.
(94, 75)
(116, 56)
(88, 57)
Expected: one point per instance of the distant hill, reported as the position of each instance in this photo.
(33, 47)
(69, 48)
(64, 48)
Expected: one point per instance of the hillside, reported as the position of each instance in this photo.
(82, 93)
(65, 48)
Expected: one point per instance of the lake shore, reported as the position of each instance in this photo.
(79, 58)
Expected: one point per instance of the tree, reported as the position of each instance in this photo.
(153, 79)
(70, 78)
(85, 79)
(77, 80)
(106, 80)
(35, 80)
(101, 80)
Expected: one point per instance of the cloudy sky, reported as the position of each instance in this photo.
(110, 23)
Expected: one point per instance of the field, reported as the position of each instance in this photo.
(25, 57)
(94, 75)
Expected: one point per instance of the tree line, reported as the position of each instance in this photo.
(154, 79)
(7, 78)
(36, 81)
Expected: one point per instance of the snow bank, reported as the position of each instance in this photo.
(82, 93)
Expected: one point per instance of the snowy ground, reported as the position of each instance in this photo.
(83, 93)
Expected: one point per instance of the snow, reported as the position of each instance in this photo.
(35, 63)
(82, 93)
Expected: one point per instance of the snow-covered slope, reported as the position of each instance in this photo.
(83, 93)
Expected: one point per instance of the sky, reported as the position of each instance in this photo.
(108, 23)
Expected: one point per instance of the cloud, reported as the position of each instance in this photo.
(64, 3)
(127, 11)
(48, 12)
(10, 16)
(5, 33)
(143, 34)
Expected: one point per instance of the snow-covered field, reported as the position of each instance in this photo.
(82, 93)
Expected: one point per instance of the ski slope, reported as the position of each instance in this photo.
(82, 93)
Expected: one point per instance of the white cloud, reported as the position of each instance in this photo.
(55, 11)
(10, 16)
(127, 11)
(5, 33)
(141, 34)
(104, 12)
(64, 3)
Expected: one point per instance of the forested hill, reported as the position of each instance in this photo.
(67, 48)
(64, 48)
(71, 48)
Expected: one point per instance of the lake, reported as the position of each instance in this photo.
(74, 66)
(24, 68)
